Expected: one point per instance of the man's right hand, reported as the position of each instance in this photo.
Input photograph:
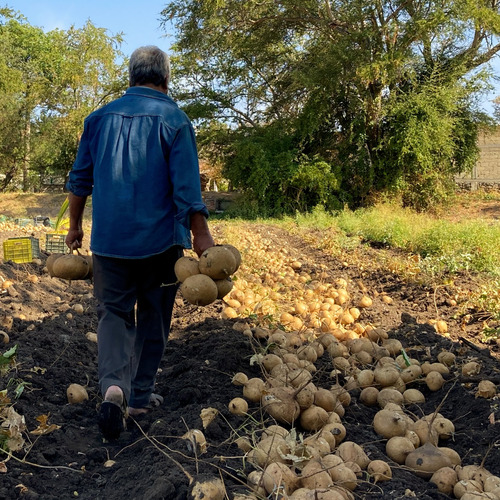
(75, 234)
(74, 238)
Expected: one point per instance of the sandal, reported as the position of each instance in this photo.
(155, 400)
(112, 415)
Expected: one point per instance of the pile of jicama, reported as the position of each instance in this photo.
(321, 462)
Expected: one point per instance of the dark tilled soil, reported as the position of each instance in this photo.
(150, 460)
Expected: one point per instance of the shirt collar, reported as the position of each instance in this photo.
(148, 92)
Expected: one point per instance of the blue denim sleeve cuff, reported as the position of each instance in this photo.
(78, 191)
(183, 216)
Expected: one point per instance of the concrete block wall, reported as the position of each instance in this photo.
(487, 170)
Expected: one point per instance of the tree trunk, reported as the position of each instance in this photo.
(8, 178)
(26, 159)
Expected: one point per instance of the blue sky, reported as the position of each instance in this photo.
(138, 20)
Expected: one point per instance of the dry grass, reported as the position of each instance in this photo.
(29, 205)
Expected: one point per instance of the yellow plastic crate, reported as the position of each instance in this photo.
(20, 250)
(55, 243)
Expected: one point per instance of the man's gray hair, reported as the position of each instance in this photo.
(148, 64)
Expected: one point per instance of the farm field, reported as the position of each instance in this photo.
(61, 454)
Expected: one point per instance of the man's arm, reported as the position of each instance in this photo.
(202, 239)
(75, 234)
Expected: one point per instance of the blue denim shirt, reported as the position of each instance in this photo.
(138, 159)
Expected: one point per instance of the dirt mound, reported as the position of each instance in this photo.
(151, 460)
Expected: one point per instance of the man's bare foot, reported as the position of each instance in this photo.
(155, 400)
(135, 412)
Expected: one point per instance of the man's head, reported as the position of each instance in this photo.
(149, 65)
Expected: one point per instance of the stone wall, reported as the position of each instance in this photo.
(487, 170)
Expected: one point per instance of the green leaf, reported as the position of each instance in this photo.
(10, 353)
(19, 390)
(60, 221)
(405, 357)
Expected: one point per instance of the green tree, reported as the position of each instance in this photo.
(49, 82)
(382, 92)
(92, 71)
(22, 50)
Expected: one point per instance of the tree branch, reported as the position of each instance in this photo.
(484, 57)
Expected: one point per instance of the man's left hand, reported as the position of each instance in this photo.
(201, 242)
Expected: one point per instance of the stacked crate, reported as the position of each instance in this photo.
(21, 250)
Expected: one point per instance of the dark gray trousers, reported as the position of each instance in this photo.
(134, 314)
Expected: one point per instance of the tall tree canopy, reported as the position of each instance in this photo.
(319, 101)
(48, 83)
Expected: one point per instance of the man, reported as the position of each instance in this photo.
(137, 158)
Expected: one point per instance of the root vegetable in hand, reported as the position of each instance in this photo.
(218, 262)
(199, 290)
(70, 267)
(186, 266)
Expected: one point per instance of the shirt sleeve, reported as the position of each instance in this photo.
(81, 176)
(185, 176)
